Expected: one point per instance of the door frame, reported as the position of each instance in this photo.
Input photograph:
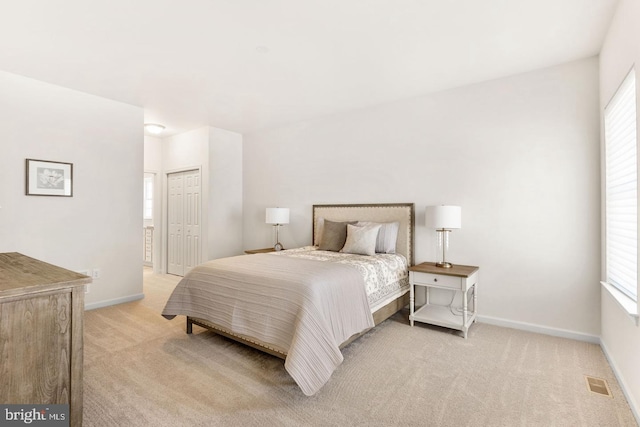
(158, 217)
(165, 212)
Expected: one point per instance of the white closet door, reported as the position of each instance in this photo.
(183, 234)
(192, 203)
(174, 217)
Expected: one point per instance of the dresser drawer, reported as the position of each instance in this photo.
(439, 280)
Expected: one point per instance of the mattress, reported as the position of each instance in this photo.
(386, 276)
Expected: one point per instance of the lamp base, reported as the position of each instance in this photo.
(278, 247)
(444, 264)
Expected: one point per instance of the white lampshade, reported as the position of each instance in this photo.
(443, 217)
(277, 216)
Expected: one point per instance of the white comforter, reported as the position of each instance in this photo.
(386, 276)
(303, 307)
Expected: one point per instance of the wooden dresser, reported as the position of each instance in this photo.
(41, 317)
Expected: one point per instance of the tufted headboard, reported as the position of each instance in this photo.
(385, 212)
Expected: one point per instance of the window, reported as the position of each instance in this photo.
(621, 189)
(148, 196)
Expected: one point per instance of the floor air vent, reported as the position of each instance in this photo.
(597, 385)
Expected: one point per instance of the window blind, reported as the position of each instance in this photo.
(621, 187)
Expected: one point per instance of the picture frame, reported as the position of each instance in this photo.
(49, 178)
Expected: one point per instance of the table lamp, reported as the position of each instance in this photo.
(277, 217)
(443, 219)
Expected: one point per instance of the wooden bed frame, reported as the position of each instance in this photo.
(387, 212)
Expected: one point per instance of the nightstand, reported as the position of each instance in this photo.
(463, 278)
(259, 251)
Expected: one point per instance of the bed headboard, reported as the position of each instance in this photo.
(385, 212)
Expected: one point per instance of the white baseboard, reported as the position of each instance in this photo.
(563, 333)
(621, 382)
(101, 304)
(531, 327)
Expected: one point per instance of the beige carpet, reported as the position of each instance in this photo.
(143, 370)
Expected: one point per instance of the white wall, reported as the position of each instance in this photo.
(153, 164)
(225, 193)
(100, 226)
(218, 154)
(152, 153)
(620, 336)
(520, 155)
(185, 151)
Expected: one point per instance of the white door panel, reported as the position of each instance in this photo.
(184, 212)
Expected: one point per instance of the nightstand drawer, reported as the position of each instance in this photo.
(439, 280)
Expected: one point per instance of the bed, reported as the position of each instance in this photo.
(305, 304)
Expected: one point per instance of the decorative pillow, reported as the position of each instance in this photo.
(333, 235)
(387, 236)
(361, 240)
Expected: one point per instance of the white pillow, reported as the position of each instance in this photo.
(387, 237)
(361, 240)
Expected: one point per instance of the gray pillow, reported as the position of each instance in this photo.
(387, 236)
(361, 240)
(333, 235)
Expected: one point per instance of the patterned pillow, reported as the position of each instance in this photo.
(361, 240)
(387, 237)
(333, 235)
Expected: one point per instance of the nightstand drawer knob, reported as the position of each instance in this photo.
(435, 279)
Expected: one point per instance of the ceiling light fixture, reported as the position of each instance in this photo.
(153, 128)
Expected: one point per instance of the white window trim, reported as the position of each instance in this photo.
(627, 304)
(630, 306)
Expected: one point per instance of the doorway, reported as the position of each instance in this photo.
(183, 221)
(148, 219)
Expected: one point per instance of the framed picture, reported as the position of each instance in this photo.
(46, 178)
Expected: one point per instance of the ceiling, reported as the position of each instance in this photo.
(246, 65)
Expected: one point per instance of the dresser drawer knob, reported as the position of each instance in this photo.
(435, 279)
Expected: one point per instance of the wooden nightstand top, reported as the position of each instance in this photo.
(456, 270)
(259, 251)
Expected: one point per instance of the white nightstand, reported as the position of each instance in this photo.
(462, 278)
